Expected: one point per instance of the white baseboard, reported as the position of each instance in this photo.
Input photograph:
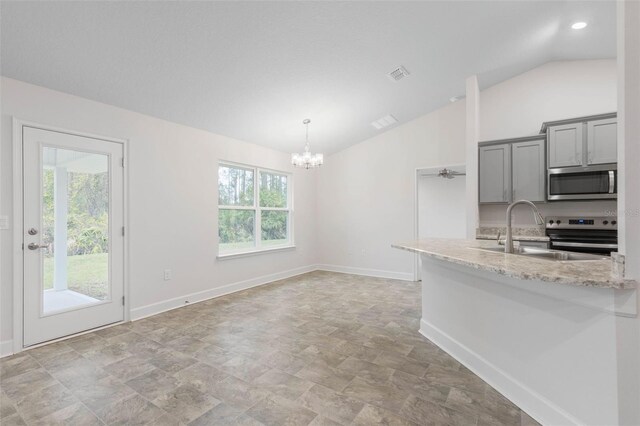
(6, 348)
(534, 404)
(178, 302)
(404, 276)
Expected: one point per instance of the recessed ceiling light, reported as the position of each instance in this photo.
(579, 25)
(456, 98)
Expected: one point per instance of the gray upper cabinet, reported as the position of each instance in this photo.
(565, 145)
(495, 173)
(602, 141)
(528, 170)
(582, 141)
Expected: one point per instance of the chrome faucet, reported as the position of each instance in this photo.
(508, 244)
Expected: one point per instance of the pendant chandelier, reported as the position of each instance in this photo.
(307, 159)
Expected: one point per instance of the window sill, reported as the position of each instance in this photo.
(254, 252)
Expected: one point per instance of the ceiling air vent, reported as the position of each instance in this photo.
(399, 73)
(383, 122)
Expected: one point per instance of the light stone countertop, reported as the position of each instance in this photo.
(591, 273)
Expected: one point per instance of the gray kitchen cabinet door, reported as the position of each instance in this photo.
(528, 170)
(602, 141)
(565, 145)
(495, 173)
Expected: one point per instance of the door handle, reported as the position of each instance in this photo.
(34, 246)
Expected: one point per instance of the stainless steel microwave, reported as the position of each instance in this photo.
(583, 183)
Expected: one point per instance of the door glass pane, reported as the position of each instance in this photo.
(236, 229)
(274, 227)
(75, 229)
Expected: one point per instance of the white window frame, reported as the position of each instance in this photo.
(257, 221)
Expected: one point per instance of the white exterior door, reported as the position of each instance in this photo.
(73, 234)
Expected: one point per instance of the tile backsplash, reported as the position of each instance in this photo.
(495, 214)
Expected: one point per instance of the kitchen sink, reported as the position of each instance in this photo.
(548, 254)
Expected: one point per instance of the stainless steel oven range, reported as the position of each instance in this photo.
(598, 235)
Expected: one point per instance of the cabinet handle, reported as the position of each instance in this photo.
(504, 195)
(513, 194)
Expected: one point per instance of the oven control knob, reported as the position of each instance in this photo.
(558, 222)
(606, 222)
(613, 222)
(551, 222)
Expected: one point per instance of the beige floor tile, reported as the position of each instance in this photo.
(153, 384)
(44, 402)
(17, 364)
(372, 415)
(75, 414)
(325, 375)
(130, 367)
(186, 403)
(282, 384)
(320, 348)
(244, 368)
(103, 392)
(274, 411)
(384, 395)
(331, 404)
(367, 370)
(133, 410)
(18, 387)
(7, 408)
(427, 412)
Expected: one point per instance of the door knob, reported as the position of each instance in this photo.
(32, 231)
(34, 246)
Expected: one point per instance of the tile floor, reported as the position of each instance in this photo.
(317, 349)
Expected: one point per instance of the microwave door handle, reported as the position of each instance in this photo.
(612, 181)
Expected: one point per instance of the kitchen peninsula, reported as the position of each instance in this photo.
(518, 322)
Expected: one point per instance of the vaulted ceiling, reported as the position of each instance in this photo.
(254, 70)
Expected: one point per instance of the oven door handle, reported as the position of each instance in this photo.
(612, 181)
(585, 245)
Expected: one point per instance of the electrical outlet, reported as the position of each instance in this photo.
(167, 274)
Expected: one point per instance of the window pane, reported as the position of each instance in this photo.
(273, 190)
(235, 186)
(236, 229)
(274, 227)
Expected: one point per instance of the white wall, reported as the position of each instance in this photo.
(173, 198)
(441, 206)
(366, 195)
(554, 91)
(628, 329)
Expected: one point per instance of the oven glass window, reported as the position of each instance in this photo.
(579, 183)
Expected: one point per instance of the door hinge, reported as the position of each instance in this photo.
(122, 162)
(123, 231)
(122, 300)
